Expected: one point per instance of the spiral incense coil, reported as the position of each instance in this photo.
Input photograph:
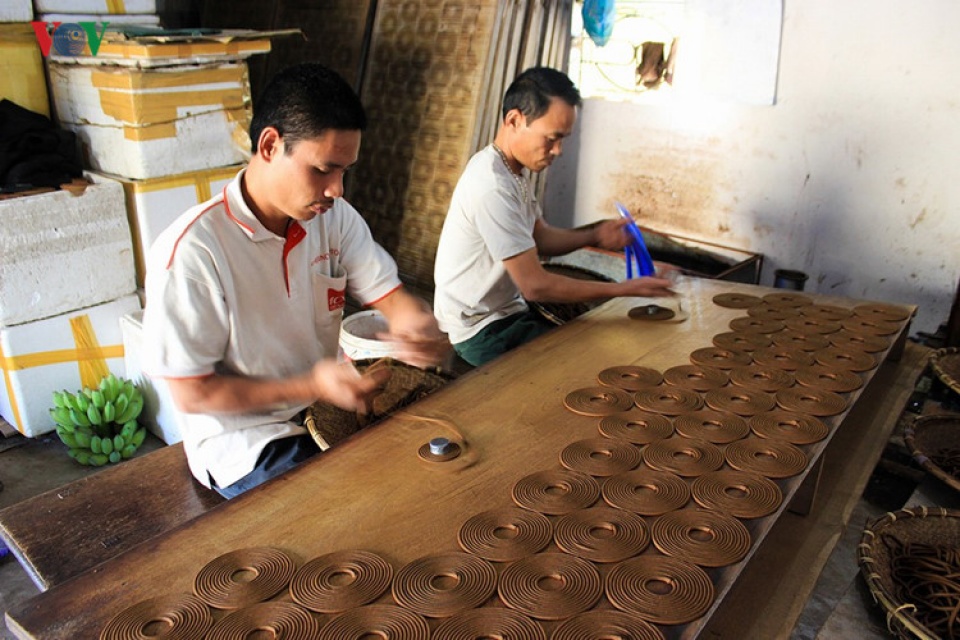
(660, 589)
(693, 377)
(743, 402)
(720, 358)
(806, 324)
(718, 427)
(756, 325)
(761, 378)
(489, 622)
(637, 427)
(439, 586)
(848, 360)
(783, 358)
(850, 340)
(244, 577)
(651, 313)
(706, 538)
(736, 300)
(602, 534)
(556, 491)
(801, 341)
(377, 621)
(172, 616)
(505, 534)
(870, 326)
(789, 300)
(281, 619)
(811, 400)
(741, 494)
(600, 456)
(880, 311)
(550, 586)
(795, 428)
(927, 576)
(685, 457)
(341, 580)
(670, 401)
(836, 380)
(740, 341)
(828, 312)
(769, 312)
(647, 492)
(598, 401)
(630, 378)
(769, 458)
(605, 624)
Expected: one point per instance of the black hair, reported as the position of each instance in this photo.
(532, 91)
(303, 101)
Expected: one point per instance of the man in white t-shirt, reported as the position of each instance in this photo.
(245, 292)
(488, 263)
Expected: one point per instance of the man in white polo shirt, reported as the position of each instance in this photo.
(245, 292)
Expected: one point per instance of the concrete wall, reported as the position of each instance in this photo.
(851, 177)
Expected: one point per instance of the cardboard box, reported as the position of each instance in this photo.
(63, 252)
(16, 11)
(69, 351)
(96, 6)
(150, 123)
(153, 204)
(158, 415)
(22, 79)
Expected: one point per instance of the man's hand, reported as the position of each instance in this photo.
(648, 287)
(344, 386)
(414, 332)
(612, 234)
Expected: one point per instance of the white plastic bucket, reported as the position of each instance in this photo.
(358, 336)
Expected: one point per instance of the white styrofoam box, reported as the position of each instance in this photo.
(96, 6)
(152, 205)
(16, 11)
(158, 415)
(22, 79)
(149, 123)
(145, 19)
(63, 252)
(69, 351)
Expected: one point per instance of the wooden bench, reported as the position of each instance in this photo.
(63, 532)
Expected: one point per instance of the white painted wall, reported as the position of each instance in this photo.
(853, 177)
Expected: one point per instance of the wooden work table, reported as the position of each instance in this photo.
(374, 492)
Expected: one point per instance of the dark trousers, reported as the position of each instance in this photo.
(276, 458)
(501, 336)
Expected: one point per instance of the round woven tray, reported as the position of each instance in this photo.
(562, 312)
(945, 363)
(329, 424)
(883, 540)
(934, 442)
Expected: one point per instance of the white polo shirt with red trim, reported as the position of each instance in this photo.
(225, 295)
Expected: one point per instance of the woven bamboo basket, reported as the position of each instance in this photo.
(934, 442)
(562, 312)
(945, 363)
(329, 424)
(880, 558)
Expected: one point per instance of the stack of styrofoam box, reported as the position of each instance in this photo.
(21, 62)
(140, 12)
(66, 279)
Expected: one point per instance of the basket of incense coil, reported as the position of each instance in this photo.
(934, 442)
(562, 312)
(329, 424)
(945, 363)
(910, 560)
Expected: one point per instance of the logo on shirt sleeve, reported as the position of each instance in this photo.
(336, 299)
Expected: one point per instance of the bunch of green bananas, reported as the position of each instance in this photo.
(100, 425)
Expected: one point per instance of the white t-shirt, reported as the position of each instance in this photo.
(491, 218)
(225, 295)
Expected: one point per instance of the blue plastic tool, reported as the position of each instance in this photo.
(636, 252)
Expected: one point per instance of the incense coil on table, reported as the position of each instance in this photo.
(341, 580)
(704, 537)
(790, 426)
(600, 456)
(668, 400)
(528, 532)
(717, 427)
(761, 378)
(630, 378)
(870, 326)
(811, 400)
(736, 300)
(694, 377)
(550, 586)
(908, 560)
(821, 377)
(661, 589)
(651, 313)
(786, 299)
(441, 585)
(738, 400)
(742, 494)
(849, 360)
(934, 442)
(183, 616)
(645, 491)
(603, 624)
(756, 325)
(945, 364)
(683, 456)
(807, 324)
(598, 401)
(222, 583)
(636, 427)
(282, 619)
(783, 358)
(881, 311)
(556, 491)
(769, 458)
(828, 312)
(720, 358)
(489, 622)
(560, 313)
(741, 341)
(859, 341)
(377, 621)
(770, 312)
(801, 341)
(602, 534)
